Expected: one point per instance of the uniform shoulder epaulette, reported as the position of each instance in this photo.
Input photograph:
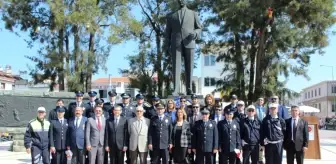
(146, 104)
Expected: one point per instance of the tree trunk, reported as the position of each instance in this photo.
(260, 64)
(76, 48)
(253, 51)
(61, 72)
(240, 68)
(67, 59)
(91, 62)
(158, 64)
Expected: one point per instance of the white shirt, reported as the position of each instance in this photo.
(78, 104)
(78, 120)
(218, 117)
(292, 124)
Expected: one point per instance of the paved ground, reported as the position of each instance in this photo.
(327, 142)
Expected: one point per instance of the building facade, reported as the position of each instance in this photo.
(211, 72)
(322, 96)
(7, 80)
(119, 84)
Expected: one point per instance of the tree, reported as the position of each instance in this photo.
(270, 38)
(56, 24)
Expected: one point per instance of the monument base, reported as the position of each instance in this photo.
(188, 97)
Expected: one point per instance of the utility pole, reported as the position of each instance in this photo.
(333, 106)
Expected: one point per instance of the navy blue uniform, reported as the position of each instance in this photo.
(251, 131)
(37, 139)
(108, 109)
(58, 138)
(229, 140)
(204, 140)
(127, 110)
(159, 136)
(273, 131)
(89, 110)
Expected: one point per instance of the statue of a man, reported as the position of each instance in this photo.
(183, 28)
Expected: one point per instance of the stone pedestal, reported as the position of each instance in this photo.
(18, 135)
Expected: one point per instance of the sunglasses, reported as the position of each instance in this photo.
(195, 107)
(250, 110)
(183, 101)
(205, 113)
(139, 111)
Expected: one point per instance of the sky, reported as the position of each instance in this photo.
(13, 48)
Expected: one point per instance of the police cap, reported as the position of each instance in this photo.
(159, 106)
(229, 111)
(60, 109)
(112, 93)
(79, 93)
(155, 98)
(234, 96)
(99, 101)
(205, 111)
(194, 96)
(139, 96)
(92, 93)
(125, 95)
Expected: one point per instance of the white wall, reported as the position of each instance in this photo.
(8, 85)
(213, 71)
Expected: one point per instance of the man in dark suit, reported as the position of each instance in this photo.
(53, 113)
(229, 138)
(183, 28)
(296, 137)
(89, 112)
(233, 105)
(78, 103)
(58, 137)
(116, 137)
(159, 135)
(76, 133)
(151, 112)
(204, 141)
(108, 106)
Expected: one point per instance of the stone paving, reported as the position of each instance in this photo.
(327, 142)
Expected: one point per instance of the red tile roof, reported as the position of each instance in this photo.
(113, 80)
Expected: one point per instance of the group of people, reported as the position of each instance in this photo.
(102, 133)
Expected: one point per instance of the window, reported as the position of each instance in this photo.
(319, 91)
(119, 84)
(319, 107)
(315, 93)
(333, 108)
(333, 89)
(209, 60)
(209, 81)
(2, 86)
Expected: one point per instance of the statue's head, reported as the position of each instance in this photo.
(182, 3)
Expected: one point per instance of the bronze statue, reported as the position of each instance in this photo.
(183, 28)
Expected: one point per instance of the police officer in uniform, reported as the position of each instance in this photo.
(140, 102)
(89, 107)
(58, 136)
(127, 110)
(229, 138)
(251, 131)
(273, 132)
(78, 103)
(204, 141)
(109, 106)
(159, 135)
(36, 138)
(151, 112)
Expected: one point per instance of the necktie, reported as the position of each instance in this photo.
(99, 124)
(77, 122)
(160, 118)
(217, 118)
(195, 117)
(294, 129)
(61, 121)
(116, 122)
(92, 105)
(139, 123)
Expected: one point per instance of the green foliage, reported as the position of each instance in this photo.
(91, 26)
(299, 29)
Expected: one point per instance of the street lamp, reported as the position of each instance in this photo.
(332, 78)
